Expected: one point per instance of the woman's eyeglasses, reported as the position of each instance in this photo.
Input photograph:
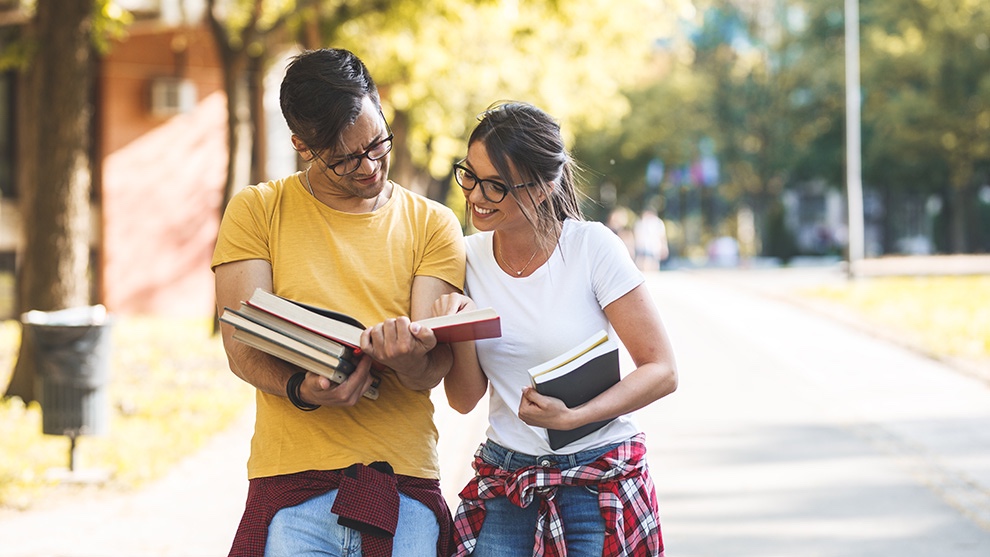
(491, 190)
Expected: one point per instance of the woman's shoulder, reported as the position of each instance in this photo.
(582, 232)
(478, 240)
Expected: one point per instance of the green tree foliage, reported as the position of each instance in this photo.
(770, 78)
(926, 76)
(441, 63)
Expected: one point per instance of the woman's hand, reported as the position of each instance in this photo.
(449, 304)
(544, 411)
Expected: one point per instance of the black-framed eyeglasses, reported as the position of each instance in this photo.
(349, 164)
(491, 190)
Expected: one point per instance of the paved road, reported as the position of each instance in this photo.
(791, 435)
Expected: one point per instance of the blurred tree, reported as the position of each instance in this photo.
(243, 31)
(926, 72)
(55, 112)
(769, 76)
(441, 63)
(667, 120)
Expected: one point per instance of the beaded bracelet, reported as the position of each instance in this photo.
(292, 391)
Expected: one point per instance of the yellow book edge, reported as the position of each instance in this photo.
(567, 357)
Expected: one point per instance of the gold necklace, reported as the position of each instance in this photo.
(309, 186)
(520, 271)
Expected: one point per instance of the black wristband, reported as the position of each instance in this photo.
(292, 391)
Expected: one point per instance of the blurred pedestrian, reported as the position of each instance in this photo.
(723, 252)
(618, 222)
(650, 240)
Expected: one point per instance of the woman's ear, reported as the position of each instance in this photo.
(542, 194)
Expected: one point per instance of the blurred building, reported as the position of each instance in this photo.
(160, 139)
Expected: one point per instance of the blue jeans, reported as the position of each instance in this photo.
(310, 529)
(510, 531)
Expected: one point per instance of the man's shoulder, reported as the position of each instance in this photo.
(419, 203)
(264, 192)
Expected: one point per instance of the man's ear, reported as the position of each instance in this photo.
(301, 147)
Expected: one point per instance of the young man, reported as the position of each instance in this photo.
(340, 235)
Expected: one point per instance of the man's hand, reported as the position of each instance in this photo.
(408, 349)
(316, 389)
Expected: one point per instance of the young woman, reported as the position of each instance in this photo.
(554, 279)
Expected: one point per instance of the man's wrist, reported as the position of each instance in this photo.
(292, 388)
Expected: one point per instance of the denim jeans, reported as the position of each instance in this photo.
(310, 529)
(510, 531)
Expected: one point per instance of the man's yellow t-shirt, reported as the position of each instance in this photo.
(362, 265)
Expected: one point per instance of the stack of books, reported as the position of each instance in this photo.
(328, 342)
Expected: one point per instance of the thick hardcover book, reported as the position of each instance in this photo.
(318, 359)
(577, 376)
(291, 330)
(337, 373)
(466, 325)
(283, 332)
(336, 326)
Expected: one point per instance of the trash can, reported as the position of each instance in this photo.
(72, 357)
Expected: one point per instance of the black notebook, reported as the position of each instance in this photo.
(577, 376)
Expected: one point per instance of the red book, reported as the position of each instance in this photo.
(466, 325)
(463, 326)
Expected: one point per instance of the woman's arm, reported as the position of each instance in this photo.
(637, 322)
(466, 383)
(411, 350)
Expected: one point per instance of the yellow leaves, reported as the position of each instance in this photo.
(949, 141)
(454, 58)
(909, 41)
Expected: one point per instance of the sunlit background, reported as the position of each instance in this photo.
(726, 117)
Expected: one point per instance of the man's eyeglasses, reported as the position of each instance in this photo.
(490, 189)
(350, 164)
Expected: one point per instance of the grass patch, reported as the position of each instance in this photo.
(947, 316)
(170, 390)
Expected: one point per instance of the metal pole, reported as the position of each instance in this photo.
(854, 179)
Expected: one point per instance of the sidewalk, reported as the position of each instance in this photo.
(191, 512)
(791, 435)
(195, 509)
(794, 435)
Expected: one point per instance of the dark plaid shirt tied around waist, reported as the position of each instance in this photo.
(626, 498)
(367, 500)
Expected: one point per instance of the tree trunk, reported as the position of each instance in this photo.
(960, 203)
(54, 265)
(259, 134)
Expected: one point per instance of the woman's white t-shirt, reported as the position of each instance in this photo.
(544, 315)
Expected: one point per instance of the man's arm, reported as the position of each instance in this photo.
(412, 351)
(235, 282)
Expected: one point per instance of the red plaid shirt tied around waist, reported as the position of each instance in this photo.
(626, 498)
(366, 500)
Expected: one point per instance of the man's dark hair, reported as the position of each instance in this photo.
(321, 95)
